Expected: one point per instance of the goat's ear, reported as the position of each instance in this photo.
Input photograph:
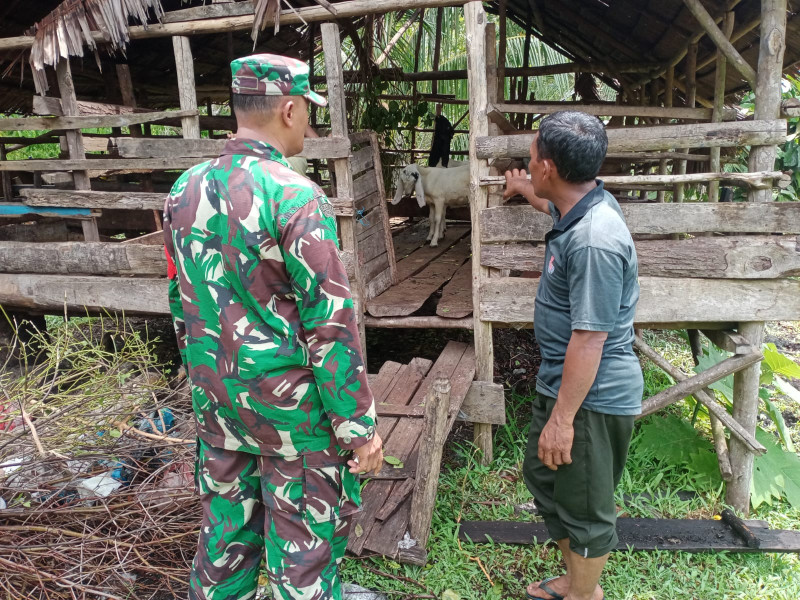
(399, 193)
(420, 192)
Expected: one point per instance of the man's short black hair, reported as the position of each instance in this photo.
(247, 103)
(575, 142)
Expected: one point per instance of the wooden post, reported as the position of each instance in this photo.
(522, 95)
(475, 19)
(669, 85)
(417, 46)
(501, 52)
(691, 93)
(719, 106)
(496, 194)
(8, 190)
(437, 47)
(331, 45)
(434, 435)
(69, 106)
(186, 87)
(768, 100)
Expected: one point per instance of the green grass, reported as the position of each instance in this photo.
(475, 492)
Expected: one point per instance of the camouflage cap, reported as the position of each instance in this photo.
(273, 75)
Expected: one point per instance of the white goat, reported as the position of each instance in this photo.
(438, 187)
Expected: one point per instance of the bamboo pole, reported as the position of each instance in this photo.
(396, 37)
(719, 104)
(721, 41)
(691, 91)
(767, 105)
(476, 20)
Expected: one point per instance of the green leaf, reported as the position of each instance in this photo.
(359, 530)
(392, 460)
(115, 433)
(712, 356)
(777, 417)
(780, 364)
(704, 470)
(450, 595)
(775, 473)
(671, 439)
(787, 389)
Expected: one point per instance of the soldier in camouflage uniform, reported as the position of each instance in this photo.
(267, 331)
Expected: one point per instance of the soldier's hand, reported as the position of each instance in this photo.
(368, 457)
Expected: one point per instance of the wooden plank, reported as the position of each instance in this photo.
(729, 340)
(456, 300)
(409, 240)
(93, 199)
(409, 295)
(399, 494)
(211, 11)
(383, 536)
(688, 535)
(364, 185)
(383, 207)
(422, 257)
(90, 122)
(659, 137)
(763, 179)
(320, 148)
(79, 293)
(484, 403)
(378, 284)
(101, 164)
(524, 223)
(614, 110)
(362, 160)
(663, 300)
(47, 105)
(752, 257)
(15, 209)
(375, 266)
(425, 322)
(43, 231)
(91, 258)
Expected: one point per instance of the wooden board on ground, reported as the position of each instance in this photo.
(422, 256)
(380, 527)
(409, 239)
(408, 296)
(688, 535)
(456, 300)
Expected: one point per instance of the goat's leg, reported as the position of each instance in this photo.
(439, 209)
(431, 222)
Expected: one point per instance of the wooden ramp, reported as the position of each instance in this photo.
(423, 270)
(403, 394)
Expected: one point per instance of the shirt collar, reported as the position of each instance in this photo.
(251, 147)
(584, 205)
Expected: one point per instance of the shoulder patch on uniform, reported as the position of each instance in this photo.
(325, 207)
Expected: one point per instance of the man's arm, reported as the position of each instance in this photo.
(517, 182)
(309, 247)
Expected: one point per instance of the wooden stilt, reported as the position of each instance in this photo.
(719, 104)
(8, 190)
(767, 105)
(691, 92)
(186, 85)
(69, 106)
(437, 47)
(501, 51)
(669, 84)
(476, 21)
(417, 46)
(331, 43)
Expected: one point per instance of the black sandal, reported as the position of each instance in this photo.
(546, 589)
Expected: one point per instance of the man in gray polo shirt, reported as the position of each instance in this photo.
(590, 382)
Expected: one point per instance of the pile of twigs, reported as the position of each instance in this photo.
(79, 408)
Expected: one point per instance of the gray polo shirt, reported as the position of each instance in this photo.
(590, 282)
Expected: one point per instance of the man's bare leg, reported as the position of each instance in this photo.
(563, 584)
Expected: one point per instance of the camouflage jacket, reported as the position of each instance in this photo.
(262, 308)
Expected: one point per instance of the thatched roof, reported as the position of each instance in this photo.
(651, 32)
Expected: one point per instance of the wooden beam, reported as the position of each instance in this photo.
(101, 164)
(678, 191)
(663, 300)
(345, 10)
(750, 180)
(186, 91)
(745, 257)
(715, 408)
(504, 224)
(661, 137)
(614, 110)
(484, 403)
(426, 322)
(729, 340)
(720, 77)
(94, 258)
(89, 122)
(721, 41)
(319, 148)
(48, 105)
(476, 20)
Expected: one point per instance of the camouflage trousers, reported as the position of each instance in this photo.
(297, 509)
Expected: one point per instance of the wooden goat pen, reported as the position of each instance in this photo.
(665, 129)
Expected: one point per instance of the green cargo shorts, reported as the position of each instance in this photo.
(577, 500)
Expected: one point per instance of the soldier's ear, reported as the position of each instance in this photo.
(288, 112)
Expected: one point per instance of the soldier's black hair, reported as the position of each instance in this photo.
(246, 103)
(575, 142)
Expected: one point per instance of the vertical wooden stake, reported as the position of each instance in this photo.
(186, 86)
(719, 106)
(331, 45)
(669, 84)
(475, 19)
(417, 46)
(69, 106)
(501, 52)
(691, 94)
(437, 47)
(768, 99)
(8, 190)
(434, 434)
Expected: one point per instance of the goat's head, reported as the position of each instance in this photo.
(408, 179)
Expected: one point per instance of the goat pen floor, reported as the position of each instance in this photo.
(422, 271)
